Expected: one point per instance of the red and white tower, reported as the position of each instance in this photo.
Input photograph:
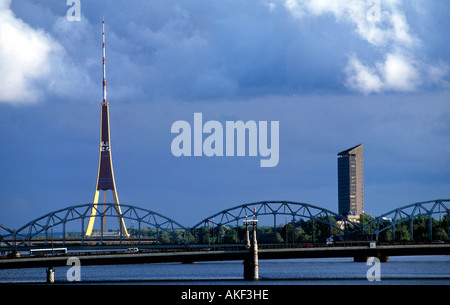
(105, 177)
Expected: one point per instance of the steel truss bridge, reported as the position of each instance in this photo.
(72, 222)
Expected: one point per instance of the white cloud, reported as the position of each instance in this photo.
(391, 27)
(24, 57)
(401, 33)
(396, 73)
(399, 70)
(362, 78)
(400, 73)
(270, 5)
(436, 74)
(35, 64)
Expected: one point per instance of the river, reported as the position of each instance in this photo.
(409, 270)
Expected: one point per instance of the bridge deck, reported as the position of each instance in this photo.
(197, 256)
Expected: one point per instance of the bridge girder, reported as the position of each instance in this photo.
(41, 226)
(276, 208)
(389, 220)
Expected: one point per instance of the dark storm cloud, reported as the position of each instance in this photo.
(302, 63)
(197, 50)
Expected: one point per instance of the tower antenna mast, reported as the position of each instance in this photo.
(104, 62)
(105, 176)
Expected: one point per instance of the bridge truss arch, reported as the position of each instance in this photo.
(5, 234)
(428, 210)
(73, 221)
(294, 210)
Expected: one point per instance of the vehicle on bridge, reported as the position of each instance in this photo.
(330, 240)
(48, 252)
(132, 250)
(350, 239)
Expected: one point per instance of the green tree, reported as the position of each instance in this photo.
(420, 228)
(322, 229)
(286, 233)
(402, 234)
(164, 237)
(365, 219)
(301, 236)
(278, 238)
(228, 235)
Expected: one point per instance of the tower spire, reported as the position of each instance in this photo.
(105, 176)
(104, 59)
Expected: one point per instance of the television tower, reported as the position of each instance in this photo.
(105, 177)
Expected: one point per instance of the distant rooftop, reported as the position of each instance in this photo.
(346, 152)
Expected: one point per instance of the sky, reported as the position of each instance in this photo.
(333, 74)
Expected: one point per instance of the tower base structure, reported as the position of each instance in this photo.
(95, 208)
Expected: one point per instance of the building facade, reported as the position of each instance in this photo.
(351, 182)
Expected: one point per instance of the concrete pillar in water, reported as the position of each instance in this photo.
(50, 275)
(247, 238)
(251, 264)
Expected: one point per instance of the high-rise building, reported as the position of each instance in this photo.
(351, 182)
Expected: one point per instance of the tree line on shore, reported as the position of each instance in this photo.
(307, 231)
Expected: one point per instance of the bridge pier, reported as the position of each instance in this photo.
(247, 237)
(251, 265)
(50, 275)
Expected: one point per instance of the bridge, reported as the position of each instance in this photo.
(190, 256)
(421, 228)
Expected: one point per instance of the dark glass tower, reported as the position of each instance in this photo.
(351, 181)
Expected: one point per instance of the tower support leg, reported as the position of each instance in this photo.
(122, 226)
(90, 226)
